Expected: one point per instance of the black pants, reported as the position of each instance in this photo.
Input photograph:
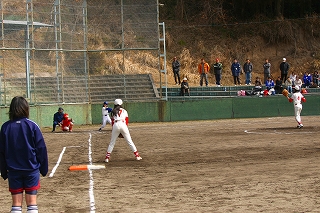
(284, 77)
(218, 79)
(184, 91)
(236, 79)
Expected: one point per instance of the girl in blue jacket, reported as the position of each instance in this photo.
(23, 156)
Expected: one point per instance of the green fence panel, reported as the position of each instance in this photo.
(146, 111)
(207, 109)
(175, 110)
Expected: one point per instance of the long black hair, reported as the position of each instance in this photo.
(19, 108)
(115, 110)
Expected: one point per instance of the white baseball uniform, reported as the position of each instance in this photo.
(296, 98)
(105, 116)
(119, 125)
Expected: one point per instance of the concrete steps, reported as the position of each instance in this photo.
(94, 89)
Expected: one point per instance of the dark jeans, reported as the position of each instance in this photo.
(177, 76)
(203, 76)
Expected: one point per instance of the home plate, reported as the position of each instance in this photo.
(86, 167)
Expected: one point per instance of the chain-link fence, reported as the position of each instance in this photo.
(51, 49)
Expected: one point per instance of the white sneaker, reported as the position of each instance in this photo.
(106, 160)
(300, 126)
(138, 158)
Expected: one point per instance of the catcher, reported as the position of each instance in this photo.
(296, 98)
(67, 123)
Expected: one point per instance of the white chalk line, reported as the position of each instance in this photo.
(275, 132)
(91, 195)
(59, 159)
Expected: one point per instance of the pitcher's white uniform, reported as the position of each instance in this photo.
(120, 126)
(297, 98)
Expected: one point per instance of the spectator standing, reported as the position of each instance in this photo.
(217, 69)
(57, 119)
(23, 156)
(236, 70)
(176, 70)
(288, 84)
(315, 78)
(266, 70)
(203, 69)
(185, 87)
(247, 69)
(284, 68)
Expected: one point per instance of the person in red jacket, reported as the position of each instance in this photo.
(67, 123)
(203, 69)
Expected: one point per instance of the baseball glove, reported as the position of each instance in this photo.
(285, 93)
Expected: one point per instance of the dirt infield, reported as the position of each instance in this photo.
(238, 165)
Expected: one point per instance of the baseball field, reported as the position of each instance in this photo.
(234, 165)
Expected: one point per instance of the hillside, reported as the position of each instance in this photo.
(201, 29)
(295, 40)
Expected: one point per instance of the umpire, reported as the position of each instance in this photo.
(57, 118)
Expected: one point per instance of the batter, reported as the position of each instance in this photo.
(105, 115)
(297, 98)
(119, 121)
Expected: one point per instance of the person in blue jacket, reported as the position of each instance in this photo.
(236, 70)
(23, 156)
(57, 118)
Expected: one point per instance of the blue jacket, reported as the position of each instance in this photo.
(22, 147)
(235, 69)
(58, 117)
(269, 84)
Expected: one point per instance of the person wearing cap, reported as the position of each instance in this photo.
(185, 87)
(119, 122)
(284, 68)
(297, 98)
(57, 118)
(217, 70)
(105, 115)
(176, 70)
(247, 69)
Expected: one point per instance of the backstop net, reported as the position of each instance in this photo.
(56, 51)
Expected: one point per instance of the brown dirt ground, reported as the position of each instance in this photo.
(235, 165)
